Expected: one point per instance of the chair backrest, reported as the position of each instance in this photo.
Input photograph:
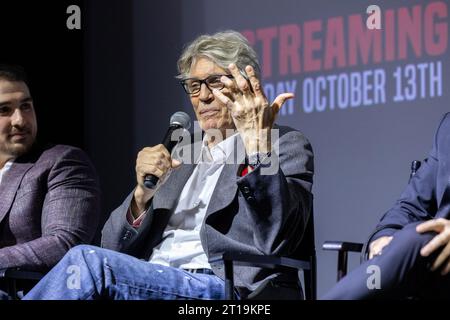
(303, 258)
(16, 283)
(344, 247)
(306, 251)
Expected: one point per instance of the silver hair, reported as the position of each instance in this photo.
(222, 48)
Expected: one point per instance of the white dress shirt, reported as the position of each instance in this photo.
(5, 168)
(181, 246)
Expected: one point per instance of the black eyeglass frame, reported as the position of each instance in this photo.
(183, 83)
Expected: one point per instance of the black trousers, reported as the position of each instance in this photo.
(399, 272)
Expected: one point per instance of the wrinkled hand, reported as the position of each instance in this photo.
(151, 160)
(376, 247)
(442, 239)
(252, 114)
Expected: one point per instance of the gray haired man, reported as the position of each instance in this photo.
(167, 236)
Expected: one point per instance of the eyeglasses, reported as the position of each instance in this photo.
(193, 85)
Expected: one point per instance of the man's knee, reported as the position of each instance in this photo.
(78, 253)
(79, 249)
(408, 237)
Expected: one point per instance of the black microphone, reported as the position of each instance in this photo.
(179, 120)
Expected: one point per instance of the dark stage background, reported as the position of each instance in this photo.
(369, 101)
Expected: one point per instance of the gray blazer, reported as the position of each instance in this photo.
(49, 202)
(254, 214)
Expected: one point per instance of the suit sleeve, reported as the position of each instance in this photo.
(119, 235)
(70, 214)
(279, 198)
(418, 202)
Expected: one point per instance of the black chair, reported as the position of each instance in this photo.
(304, 259)
(17, 282)
(344, 247)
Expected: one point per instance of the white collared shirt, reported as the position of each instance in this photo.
(5, 168)
(181, 246)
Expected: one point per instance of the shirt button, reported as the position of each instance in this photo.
(246, 190)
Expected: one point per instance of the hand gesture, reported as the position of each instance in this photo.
(252, 114)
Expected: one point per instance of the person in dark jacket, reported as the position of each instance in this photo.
(410, 248)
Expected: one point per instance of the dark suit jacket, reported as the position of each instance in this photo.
(255, 214)
(427, 195)
(50, 202)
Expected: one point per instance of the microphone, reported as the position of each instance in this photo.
(179, 120)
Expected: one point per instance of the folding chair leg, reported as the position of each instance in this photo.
(342, 264)
(12, 289)
(229, 284)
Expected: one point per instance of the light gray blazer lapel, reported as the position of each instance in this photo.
(10, 183)
(168, 193)
(226, 186)
(224, 191)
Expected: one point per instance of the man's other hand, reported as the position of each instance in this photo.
(376, 247)
(442, 239)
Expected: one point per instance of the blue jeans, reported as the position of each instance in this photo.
(88, 272)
